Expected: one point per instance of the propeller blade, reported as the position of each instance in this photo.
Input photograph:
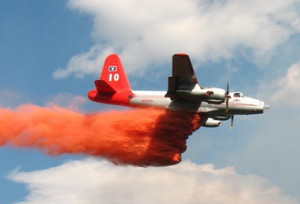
(231, 125)
(227, 109)
(227, 88)
(226, 97)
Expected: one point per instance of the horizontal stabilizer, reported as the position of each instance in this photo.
(103, 87)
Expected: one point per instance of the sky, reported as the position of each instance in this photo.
(53, 50)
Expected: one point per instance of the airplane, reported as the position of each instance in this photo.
(184, 93)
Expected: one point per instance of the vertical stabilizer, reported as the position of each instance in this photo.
(113, 87)
(113, 78)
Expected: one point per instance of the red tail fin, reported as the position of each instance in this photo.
(113, 86)
(113, 78)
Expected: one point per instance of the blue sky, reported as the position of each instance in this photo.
(53, 51)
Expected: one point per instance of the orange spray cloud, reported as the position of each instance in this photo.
(140, 136)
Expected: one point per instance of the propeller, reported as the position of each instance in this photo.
(231, 124)
(226, 97)
(227, 105)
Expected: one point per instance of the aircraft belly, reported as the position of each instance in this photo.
(237, 110)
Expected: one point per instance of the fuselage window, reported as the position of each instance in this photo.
(237, 95)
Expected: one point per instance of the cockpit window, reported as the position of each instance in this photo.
(238, 95)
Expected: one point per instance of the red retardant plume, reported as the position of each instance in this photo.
(142, 137)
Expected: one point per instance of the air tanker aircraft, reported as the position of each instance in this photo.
(184, 93)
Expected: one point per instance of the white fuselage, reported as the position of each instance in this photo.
(237, 105)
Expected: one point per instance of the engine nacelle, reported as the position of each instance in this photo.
(222, 117)
(211, 123)
(211, 95)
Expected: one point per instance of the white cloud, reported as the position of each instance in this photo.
(149, 32)
(284, 90)
(85, 63)
(94, 181)
(287, 87)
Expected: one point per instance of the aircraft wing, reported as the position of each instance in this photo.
(183, 75)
